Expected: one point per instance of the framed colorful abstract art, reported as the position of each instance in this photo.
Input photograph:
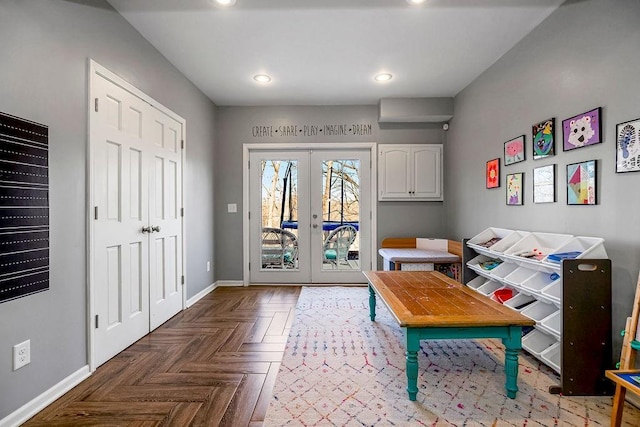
(493, 173)
(514, 151)
(544, 184)
(628, 146)
(543, 135)
(581, 130)
(514, 189)
(581, 183)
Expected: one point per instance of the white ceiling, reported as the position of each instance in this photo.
(326, 52)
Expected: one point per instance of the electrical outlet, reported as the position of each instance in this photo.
(208, 266)
(21, 354)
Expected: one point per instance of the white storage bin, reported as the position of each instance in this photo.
(489, 287)
(503, 270)
(551, 356)
(518, 276)
(589, 247)
(493, 296)
(519, 302)
(474, 264)
(477, 282)
(540, 280)
(535, 342)
(499, 248)
(553, 292)
(539, 310)
(545, 243)
(477, 242)
(553, 323)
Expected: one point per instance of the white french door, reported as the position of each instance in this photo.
(136, 225)
(310, 215)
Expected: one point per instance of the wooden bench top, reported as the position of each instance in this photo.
(431, 299)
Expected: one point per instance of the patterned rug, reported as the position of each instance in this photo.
(341, 369)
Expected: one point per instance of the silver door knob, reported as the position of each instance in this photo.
(146, 229)
(315, 225)
(155, 228)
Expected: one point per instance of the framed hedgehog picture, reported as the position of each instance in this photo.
(514, 151)
(628, 146)
(581, 130)
(543, 135)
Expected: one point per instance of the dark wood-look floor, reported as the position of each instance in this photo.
(214, 364)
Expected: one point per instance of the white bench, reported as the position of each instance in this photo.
(422, 254)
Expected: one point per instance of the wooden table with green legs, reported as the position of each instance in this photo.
(429, 305)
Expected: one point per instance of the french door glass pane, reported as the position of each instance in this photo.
(340, 214)
(279, 214)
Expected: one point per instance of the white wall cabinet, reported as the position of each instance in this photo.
(410, 172)
(570, 300)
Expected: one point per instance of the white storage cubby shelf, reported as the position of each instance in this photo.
(495, 256)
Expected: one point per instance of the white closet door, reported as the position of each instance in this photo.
(120, 249)
(136, 237)
(165, 195)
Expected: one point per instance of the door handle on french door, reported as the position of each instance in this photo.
(155, 228)
(146, 229)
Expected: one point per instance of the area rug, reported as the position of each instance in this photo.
(341, 369)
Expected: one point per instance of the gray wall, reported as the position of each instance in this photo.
(43, 77)
(235, 125)
(583, 56)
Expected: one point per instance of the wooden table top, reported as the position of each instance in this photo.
(429, 298)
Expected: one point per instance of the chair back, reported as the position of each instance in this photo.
(279, 248)
(337, 244)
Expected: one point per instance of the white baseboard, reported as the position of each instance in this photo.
(229, 283)
(40, 402)
(197, 297)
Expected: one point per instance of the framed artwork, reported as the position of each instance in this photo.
(544, 184)
(514, 151)
(581, 183)
(543, 135)
(493, 173)
(581, 130)
(628, 146)
(514, 188)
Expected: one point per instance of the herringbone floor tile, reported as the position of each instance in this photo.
(212, 365)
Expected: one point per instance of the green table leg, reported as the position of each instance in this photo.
(512, 344)
(372, 303)
(413, 345)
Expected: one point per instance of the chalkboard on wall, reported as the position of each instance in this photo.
(24, 207)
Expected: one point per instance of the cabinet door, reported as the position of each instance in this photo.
(410, 172)
(394, 176)
(427, 172)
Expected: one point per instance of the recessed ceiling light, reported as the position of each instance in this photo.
(415, 2)
(225, 2)
(262, 78)
(383, 77)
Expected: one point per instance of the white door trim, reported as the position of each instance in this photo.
(96, 69)
(246, 148)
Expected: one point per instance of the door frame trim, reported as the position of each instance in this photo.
(96, 69)
(247, 147)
